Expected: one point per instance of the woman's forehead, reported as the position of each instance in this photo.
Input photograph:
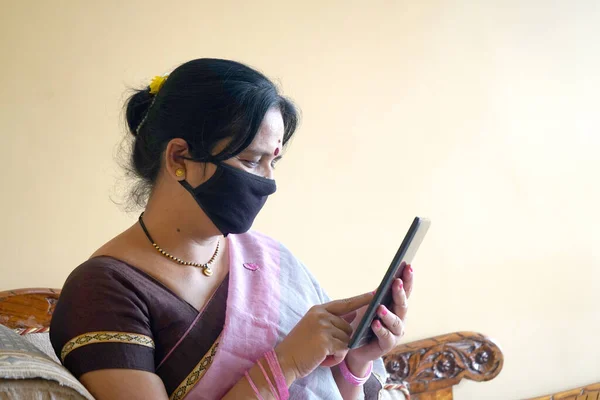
(268, 138)
(270, 133)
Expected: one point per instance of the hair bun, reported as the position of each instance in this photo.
(137, 109)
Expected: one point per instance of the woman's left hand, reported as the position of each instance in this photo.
(391, 328)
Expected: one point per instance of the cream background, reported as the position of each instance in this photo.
(482, 115)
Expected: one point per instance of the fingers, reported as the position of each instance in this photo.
(391, 321)
(338, 353)
(350, 317)
(328, 362)
(334, 359)
(341, 349)
(400, 307)
(387, 341)
(341, 324)
(345, 306)
(408, 277)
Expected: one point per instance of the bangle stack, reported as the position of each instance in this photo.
(282, 392)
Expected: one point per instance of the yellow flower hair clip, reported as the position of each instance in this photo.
(157, 83)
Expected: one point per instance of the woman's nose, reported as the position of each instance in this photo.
(269, 173)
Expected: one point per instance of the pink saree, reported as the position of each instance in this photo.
(269, 292)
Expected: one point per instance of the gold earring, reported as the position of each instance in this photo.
(179, 172)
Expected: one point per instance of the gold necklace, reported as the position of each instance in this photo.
(206, 269)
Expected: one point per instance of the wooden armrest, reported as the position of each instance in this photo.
(27, 308)
(432, 366)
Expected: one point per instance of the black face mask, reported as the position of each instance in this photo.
(232, 198)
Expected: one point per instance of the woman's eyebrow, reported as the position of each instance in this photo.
(257, 152)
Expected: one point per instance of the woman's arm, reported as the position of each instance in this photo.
(347, 390)
(131, 384)
(121, 384)
(243, 390)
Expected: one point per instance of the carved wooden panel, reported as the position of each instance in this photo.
(442, 394)
(27, 308)
(430, 366)
(590, 392)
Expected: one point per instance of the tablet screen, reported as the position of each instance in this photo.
(404, 256)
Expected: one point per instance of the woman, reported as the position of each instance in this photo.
(187, 302)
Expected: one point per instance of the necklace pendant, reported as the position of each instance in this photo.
(208, 271)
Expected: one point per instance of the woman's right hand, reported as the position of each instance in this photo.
(320, 338)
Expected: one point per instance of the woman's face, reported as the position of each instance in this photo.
(265, 150)
(259, 158)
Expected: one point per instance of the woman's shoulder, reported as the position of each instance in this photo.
(95, 269)
(99, 286)
(98, 299)
(100, 279)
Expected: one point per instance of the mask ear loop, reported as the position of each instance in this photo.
(208, 159)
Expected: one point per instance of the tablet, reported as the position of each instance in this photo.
(404, 256)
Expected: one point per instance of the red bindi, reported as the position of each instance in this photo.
(276, 151)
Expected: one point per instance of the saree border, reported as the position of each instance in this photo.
(197, 373)
(105, 337)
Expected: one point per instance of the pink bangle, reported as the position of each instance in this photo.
(273, 390)
(353, 379)
(273, 362)
(253, 386)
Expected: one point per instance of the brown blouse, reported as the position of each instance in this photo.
(113, 315)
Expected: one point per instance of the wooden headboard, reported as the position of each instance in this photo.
(429, 367)
(28, 309)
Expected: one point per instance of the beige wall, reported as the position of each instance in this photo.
(482, 115)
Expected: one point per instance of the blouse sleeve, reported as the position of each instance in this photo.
(100, 322)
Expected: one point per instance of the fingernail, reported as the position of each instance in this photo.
(382, 310)
(377, 324)
(398, 285)
(410, 269)
(374, 291)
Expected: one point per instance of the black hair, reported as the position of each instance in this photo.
(202, 101)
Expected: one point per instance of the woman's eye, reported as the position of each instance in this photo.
(250, 163)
